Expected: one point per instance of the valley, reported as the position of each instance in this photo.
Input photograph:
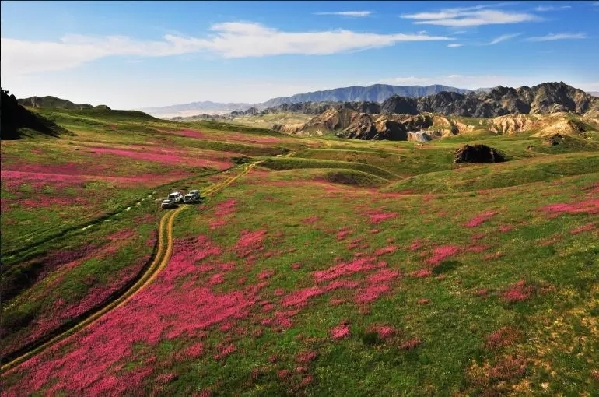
(347, 255)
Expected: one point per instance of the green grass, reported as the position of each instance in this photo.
(331, 199)
(298, 163)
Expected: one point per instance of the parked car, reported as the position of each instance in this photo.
(168, 203)
(177, 197)
(192, 197)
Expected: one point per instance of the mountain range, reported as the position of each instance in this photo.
(373, 93)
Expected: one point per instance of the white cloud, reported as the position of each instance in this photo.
(346, 13)
(551, 8)
(504, 37)
(470, 16)
(230, 40)
(454, 45)
(559, 36)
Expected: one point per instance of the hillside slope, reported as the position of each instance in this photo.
(16, 119)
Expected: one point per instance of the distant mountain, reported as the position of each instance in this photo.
(397, 116)
(197, 107)
(52, 102)
(594, 93)
(545, 98)
(374, 93)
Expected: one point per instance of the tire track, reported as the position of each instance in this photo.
(163, 255)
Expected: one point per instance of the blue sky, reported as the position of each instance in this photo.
(139, 54)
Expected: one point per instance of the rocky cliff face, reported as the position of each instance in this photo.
(352, 124)
(541, 99)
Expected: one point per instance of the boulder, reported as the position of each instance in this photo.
(478, 154)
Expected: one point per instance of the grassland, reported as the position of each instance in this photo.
(345, 268)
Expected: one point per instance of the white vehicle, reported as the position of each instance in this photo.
(167, 203)
(192, 197)
(176, 197)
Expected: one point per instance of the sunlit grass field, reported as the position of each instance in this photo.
(346, 268)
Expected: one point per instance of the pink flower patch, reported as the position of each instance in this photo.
(266, 274)
(371, 293)
(166, 378)
(215, 224)
(411, 344)
(586, 228)
(249, 242)
(296, 266)
(354, 244)
(478, 247)
(216, 279)
(378, 217)
(518, 292)
(374, 231)
(225, 208)
(421, 273)
(505, 228)
(589, 206)
(479, 219)
(416, 245)
(504, 336)
(443, 252)
(224, 351)
(345, 268)
(300, 298)
(283, 374)
(336, 284)
(423, 301)
(306, 357)
(481, 292)
(341, 331)
(311, 219)
(336, 301)
(343, 233)
(383, 331)
(387, 250)
(490, 257)
(194, 351)
(382, 276)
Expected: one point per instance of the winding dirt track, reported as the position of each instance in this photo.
(163, 255)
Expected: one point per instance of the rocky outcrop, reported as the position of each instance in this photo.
(351, 124)
(544, 98)
(424, 136)
(512, 124)
(14, 118)
(393, 127)
(288, 128)
(478, 154)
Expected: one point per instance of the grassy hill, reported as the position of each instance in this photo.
(333, 267)
(17, 121)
